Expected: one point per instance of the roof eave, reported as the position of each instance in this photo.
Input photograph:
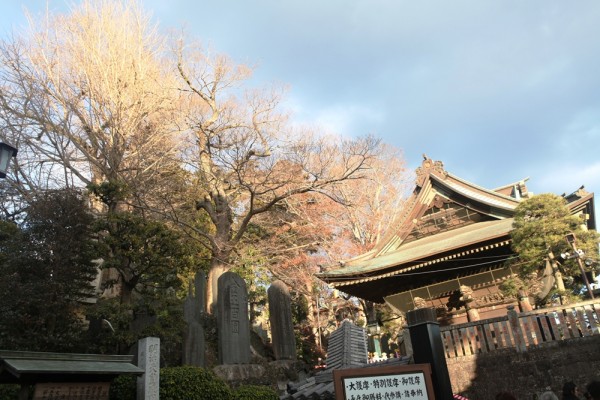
(377, 272)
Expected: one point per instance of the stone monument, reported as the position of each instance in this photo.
(232, 320)
(280, 317)
(193, 307)
(149, 361)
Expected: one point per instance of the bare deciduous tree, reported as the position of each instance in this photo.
(247, 157)
(307, 231)
(87, 99)
(91, 97)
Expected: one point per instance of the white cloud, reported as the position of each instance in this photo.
(498, 90)
(347, 119)
(568, 178)
(344, 118)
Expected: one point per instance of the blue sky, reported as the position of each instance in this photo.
(497, 90)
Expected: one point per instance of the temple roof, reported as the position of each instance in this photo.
(474, 192)
(417, 251)
(445, 218)
(435, 187)
(582, 201)
(486, 214)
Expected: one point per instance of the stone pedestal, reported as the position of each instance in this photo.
(239, 372)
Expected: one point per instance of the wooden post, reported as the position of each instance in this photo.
(571, 240)
(560, 284)
(513, 321)
(524, 304)
(428, 348)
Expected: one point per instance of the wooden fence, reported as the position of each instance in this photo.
(522, 330)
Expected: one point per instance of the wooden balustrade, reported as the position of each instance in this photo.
(523, 330)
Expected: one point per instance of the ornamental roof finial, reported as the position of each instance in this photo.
(428, 166)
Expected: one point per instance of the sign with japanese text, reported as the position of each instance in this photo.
(410, 382)
(71, 391)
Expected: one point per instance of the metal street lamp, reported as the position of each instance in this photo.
(6, 153)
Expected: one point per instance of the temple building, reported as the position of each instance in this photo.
(448, 249)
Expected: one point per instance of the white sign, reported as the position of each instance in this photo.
(391, 382)
(386, 387)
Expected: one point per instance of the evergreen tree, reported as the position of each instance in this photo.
(47, 268)
(149, 262)
(541, 225)
(147, 255)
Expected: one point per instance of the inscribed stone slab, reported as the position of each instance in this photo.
(193, 307)
(149, 361)
(232, 320)
(280, 317)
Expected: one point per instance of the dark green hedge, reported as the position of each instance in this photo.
(123, 388)
(177, 383)
(192, 383)
(9, 392)
(254, 392)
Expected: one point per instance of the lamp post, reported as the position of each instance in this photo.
(6, 153)
(577, 254)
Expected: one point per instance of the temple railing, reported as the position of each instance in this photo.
(523, 330)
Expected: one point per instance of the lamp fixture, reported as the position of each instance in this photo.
(6, 153)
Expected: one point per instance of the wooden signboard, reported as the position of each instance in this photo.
(411, 382)
(71, 391)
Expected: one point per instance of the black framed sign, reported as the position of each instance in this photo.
(399, 382)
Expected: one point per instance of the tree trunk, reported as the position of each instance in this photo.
(126, 292)
(217, 268)
(314, 318)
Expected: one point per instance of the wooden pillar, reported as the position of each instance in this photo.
(515, 326)
(560, 284)
(467, 298)
(472, 313)
(428, 348)
(524, 304)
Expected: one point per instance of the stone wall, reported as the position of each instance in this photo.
(482, 376)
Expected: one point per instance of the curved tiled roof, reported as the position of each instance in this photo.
(321, 386)
(419, 250)
(477, 193)
(402, 250)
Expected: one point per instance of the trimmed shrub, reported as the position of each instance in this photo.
(123, 388)
(9, 392)
(192, 383)
(255, 392)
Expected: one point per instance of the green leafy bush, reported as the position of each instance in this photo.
(123, 388)
(180, 383)
(192, 383)
(254, 392)
(9, 392)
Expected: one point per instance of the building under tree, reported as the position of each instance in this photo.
(448, 249)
